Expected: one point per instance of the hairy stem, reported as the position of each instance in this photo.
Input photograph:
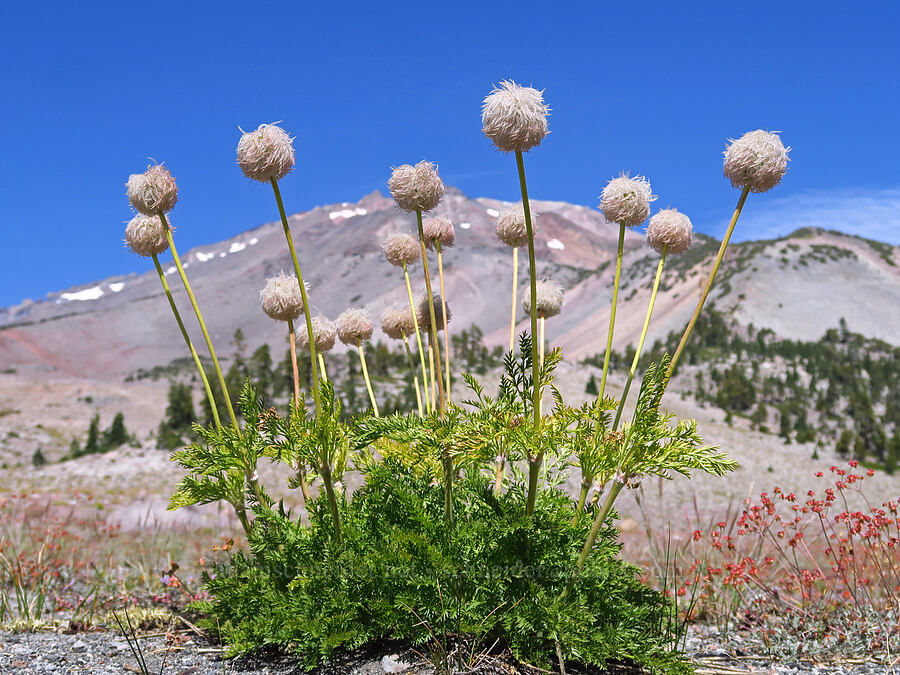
(190, 345)
(412, 307)
(440, 260)
(541, 331)
(303, 294)
(637, 354)
(431, 367)
(612, 312)
(412, 369)
(209, 345)
(536, 458)
(365, 371)
(709, 283)
(442, 405)
(499, 474)
(515, 289)
(296, 372)
(304, 485)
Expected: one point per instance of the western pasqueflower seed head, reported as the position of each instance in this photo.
(397, 322)
(514, 117)
(146, 235)
(281, 298)
(423, 314)
(266, 153)
(416, 188)
(354, 326)
(549, 299)
(671, 230)
(757, 160)
(438, 230)
(510, 226)
(402, 249)
(152, 191)
(324, 333)
(626, 200)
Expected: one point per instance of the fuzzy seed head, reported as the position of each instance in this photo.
(281, 299)
(416, 188)
(146, 235)
(514, 117)
(757, 160)
(152, 191)
(401, 249)
(626, 200)
(671, 230)
(354, 326)
(324, 333)
(438, 230)
(510, 226)
(266, 153)
(549, 299)
(396, 322)
(423, 314)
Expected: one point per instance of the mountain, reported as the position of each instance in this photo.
(798, 287)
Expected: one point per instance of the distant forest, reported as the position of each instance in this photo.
(841, 392)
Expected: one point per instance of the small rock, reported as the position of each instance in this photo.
(79, 646)
(393, 664)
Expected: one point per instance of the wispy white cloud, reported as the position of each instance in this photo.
(870, 213)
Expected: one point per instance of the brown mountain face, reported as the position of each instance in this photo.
(798, 287)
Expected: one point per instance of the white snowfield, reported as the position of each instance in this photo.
(347, 213)
(556, 244)
(92, 293)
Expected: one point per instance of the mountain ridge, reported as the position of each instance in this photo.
(798, 286)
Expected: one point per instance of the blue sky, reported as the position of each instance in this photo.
(91, 90)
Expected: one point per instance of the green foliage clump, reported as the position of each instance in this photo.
(431, 547)
(403, 572)
(99, 441)
(179, 418)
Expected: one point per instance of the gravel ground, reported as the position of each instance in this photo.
(106, 653)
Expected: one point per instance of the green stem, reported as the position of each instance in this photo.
(412, 308)
(442, 404)
(534, 461)
(637, 354)
(322, 366)
(190, 345)
(709, 283)
(592, 535)
(412, 369)
(332, 501)
(309, 329)
(241, 513)
(209, 345)
(448, 488)
(582, 498)
(365, 371)
(612, 311)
